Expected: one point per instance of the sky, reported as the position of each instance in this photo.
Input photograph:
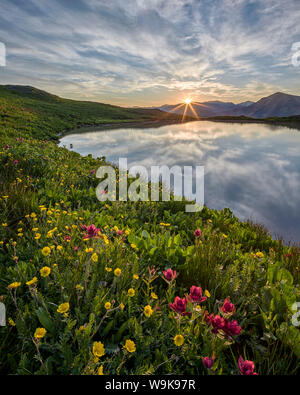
(152, 52)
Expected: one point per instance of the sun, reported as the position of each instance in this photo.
(187, 101)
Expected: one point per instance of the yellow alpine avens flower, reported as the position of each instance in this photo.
(259, 254)
(117, 272)
(32, 282)
(148, 311)
(46, 251)
(108, 269)
(153, 295)
(39, 333)
(130, 345)
(136, 277)
(59, 248)
(11, 322)
(107, 305)
(95, 257)
(122, 306)
(79, 287)
(98, 349)
(45, 271)
(87, 250)
(100, 371)
(207, 293)
(37, 236)
(14, 285)
(178, 340)
(131, 292)
(63, 308)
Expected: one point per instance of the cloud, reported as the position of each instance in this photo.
(149, 52)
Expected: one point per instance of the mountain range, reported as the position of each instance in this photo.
(277, 105)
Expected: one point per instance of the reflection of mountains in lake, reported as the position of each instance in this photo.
(254, 169)
(276, 105)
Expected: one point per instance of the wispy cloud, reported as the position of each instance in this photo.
(150, 52)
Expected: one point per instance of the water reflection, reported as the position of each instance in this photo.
(254, 169)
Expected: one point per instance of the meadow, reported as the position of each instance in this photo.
(128, 288)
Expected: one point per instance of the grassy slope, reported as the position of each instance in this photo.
(50, 187)
(36, 113)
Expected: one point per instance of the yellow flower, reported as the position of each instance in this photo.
(148, 311)
(32, 282)
(178, 340)
(11, 322)
(59, 248)
(98, 349)
(14, 285)
(45, 271)
(63, 308)
(4, 225)
(108, 269)
(117, 272)
(37, 236)
(133, 246)
(153, 295)
(107, 305)
(131, 292)
(46, 251)
(89, 250)
(79, 287)
(100, 371)
(39, 333)
(95, 257)
(122, 306)
(130, 346)
(136, 277)
(207, 293)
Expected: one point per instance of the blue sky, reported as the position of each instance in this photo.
(152, 52)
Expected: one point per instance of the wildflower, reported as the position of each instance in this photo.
(4, 225)
(16, 161)
(108, 269)
(100, 371)
(59, 248)
(179, 306)
(259, 254)
(37, 236)
(46, 251)
(107, 305)
(228, 308)
(153, 295)
(195, 295)
(207, 293)
(39, 333)
(135, 276)
(120, 232)
(131, 292)
(132, 245)
(87, 250)
(178, 340)
(67, 238)
(148, 311)
(197, 233)
(246, 368)
(130, 345)
(92, 172)
(98, 349)
(14, 285)
(11, 322)
(208, 362)
(170, 274)
(63, 308)
(122, 306)
(92, 231)
(32, 282)
(117, 272)
(95, 257)
(45, 271)
(79, 287)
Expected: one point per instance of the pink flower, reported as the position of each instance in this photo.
(195, 295)
(67, 238)
(232, 328)
(92, 231)
(197, 233)
(16, 161)
(228, 308)
(92, 172)
(120, 232)
(208, 362)
(169, 274)
(7, 146)
(246, 367)
(75, 248)
(179, 306)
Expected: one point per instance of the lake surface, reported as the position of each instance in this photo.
(254, 169)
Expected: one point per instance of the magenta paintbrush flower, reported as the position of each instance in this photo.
(246, 367)
(228, 308)
(197, 233)
(170, 274)
(208, 362)
(195, 295)
(179, 306)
